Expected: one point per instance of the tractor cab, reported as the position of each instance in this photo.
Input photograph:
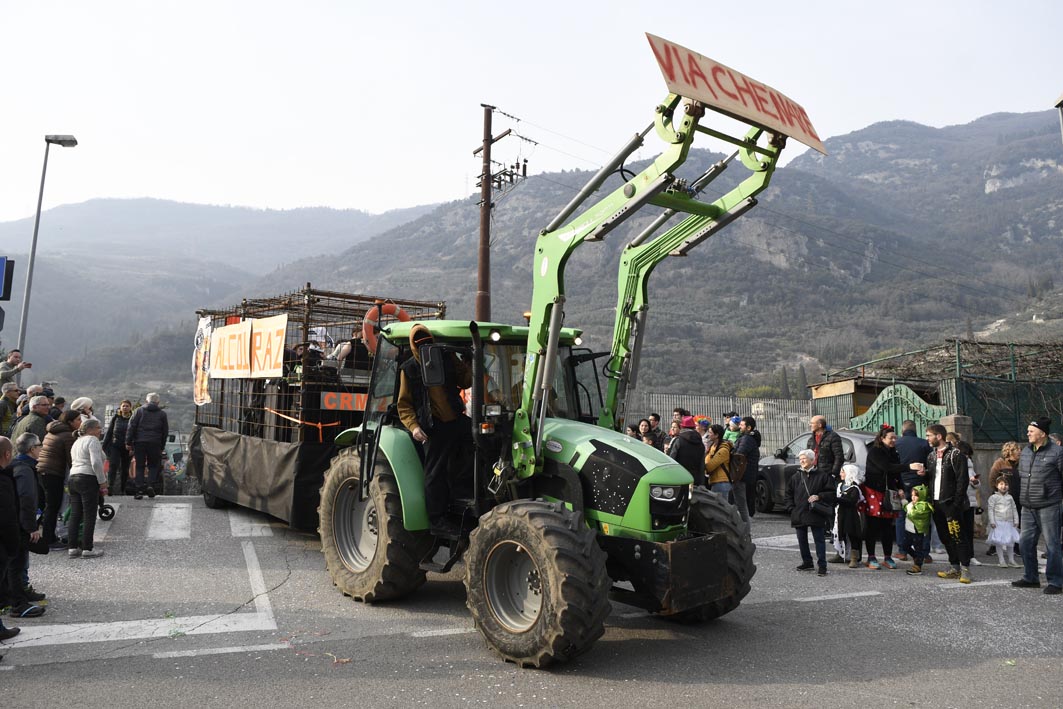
(496, 354)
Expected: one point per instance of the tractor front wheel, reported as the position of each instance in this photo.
(536, 583)
(711, 513)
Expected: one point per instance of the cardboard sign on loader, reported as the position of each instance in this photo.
(732, 93)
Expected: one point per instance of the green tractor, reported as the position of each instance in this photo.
(558, 511)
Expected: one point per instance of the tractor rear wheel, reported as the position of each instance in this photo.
(369, 554)
(711, 513)
(535, 582)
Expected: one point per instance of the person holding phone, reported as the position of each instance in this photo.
(12, 366)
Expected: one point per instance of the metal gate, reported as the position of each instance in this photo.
(895, 404)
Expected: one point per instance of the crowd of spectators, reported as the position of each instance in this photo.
(716, 455)
(54, 465)
(916, 495)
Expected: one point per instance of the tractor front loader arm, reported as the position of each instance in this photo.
(642, 255)
(676, 122)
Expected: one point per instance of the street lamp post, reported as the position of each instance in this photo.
(66, 141)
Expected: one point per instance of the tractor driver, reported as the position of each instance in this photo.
(436, 418)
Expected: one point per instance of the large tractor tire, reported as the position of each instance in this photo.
(710, 512)
(536, 583)
(369, 554)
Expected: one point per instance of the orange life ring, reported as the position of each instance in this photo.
(371, 318)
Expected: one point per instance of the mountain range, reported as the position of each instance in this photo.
(902, 235)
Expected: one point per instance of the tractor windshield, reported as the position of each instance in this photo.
(575, 393)
(504, 367)
(384, 385)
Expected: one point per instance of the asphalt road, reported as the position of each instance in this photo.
(199, 607)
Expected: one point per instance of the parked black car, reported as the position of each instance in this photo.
(773, 472)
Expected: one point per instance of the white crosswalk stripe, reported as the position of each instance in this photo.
(170, 521)
(245, 523)
(103, 526)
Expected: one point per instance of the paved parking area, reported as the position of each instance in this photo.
(227, 607)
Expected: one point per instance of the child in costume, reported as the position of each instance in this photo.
(916, 526)
(1003, 518)
(850, 512)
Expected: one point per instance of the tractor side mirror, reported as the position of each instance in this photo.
(432, 371)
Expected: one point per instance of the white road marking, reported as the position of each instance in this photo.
(783, 541)
(258, 584)
(170, 521)
(837, 596)
(445, 631)
(70, 633)
(243, 524)
(640, 614)
(6, 667)
(103, 526)
(220, 651)
(953, 586)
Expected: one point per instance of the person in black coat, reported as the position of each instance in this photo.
(688, 450)
(9, 530)
(850, 511)
(911, 448)
(827, 445)
(146, 435)
(883, 474)
(114, 445)
(745, 492)
(947, 480)
(810, 497)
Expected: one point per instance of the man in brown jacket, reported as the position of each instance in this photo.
(436, 417)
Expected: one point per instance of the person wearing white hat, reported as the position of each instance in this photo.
(84, 405)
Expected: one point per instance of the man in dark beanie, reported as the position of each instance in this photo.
(1041, 475)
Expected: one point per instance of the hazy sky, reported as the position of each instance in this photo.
(376, 105)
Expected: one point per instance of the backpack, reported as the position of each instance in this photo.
(14, 422)
(738, 467)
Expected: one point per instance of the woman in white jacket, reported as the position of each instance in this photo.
(86, 483)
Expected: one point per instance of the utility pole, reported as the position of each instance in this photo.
(1059, 107)
(483, 273)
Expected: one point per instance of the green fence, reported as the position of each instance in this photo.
(1001, 410)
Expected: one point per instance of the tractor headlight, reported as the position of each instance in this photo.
(666, 493)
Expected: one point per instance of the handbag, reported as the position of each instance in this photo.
(819, 506)
(894, 500)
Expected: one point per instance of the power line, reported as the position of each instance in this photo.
(554, 132)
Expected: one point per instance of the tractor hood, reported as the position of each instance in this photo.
(617, 474)
(572, 442)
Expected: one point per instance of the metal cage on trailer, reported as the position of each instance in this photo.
(276, 379)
